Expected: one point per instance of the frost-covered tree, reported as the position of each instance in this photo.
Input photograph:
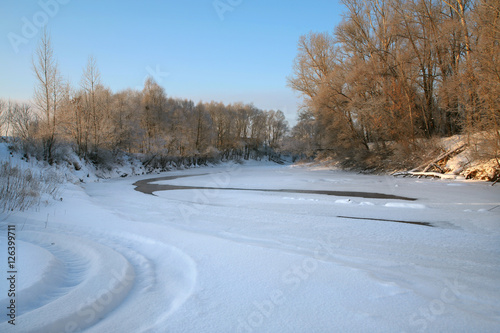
(153, 115)
(394, 72)
(48, 92)
(2, 115)
(23, 121)
(125, 118)
(95, 108)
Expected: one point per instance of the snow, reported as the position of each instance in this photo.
(108, 258)
(405, 205)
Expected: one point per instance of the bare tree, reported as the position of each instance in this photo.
(258, 128)
(203, 130)
(23, 122)
(277, 128)
(219, 116)
(153, 115)
(48, 92)
(125, 115)
(486, 63)
(92, 108)
(304, 140)
(314, 62)
(320, 74)
(77, 122)
(2, 115)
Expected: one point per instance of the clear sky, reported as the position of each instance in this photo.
(239, 50)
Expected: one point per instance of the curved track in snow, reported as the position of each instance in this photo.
(85, 277)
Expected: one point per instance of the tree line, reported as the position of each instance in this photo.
(92, 119)
(395, 72)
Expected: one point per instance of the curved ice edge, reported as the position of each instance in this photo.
(107, 282)
(150, 185)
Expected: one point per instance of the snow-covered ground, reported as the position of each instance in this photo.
(108, 258)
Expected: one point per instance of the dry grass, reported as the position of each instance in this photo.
(21, 189)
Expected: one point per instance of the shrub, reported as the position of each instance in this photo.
(21, 189)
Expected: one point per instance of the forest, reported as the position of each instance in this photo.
(378, 91)
(97, 123)
(394, 75)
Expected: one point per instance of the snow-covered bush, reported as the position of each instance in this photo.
(21, 189)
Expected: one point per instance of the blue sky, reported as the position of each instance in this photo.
(243, 52)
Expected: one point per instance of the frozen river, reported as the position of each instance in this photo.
(261, 248)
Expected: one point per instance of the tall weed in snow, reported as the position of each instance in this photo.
(21, 189)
